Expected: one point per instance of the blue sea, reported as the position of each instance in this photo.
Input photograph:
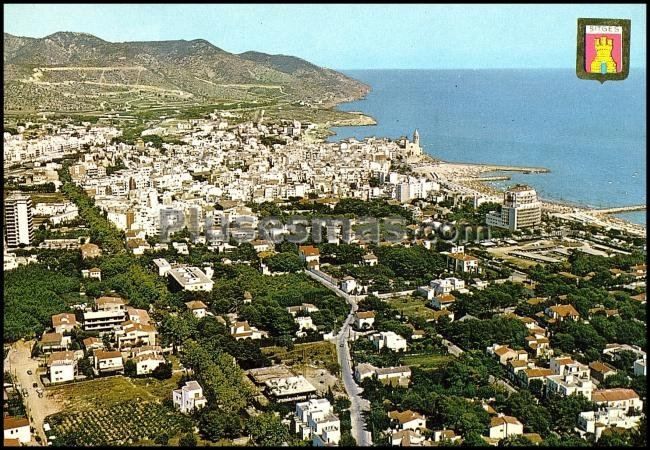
(591, 136)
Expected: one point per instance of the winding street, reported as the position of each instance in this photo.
(357, 403)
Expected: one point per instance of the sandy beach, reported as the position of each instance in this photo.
(468, 175)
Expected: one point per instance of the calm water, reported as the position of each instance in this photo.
(591, 136)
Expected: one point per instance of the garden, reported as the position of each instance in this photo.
(122, 423)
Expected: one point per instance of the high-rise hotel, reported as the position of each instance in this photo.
(18, 220)
(521, 209)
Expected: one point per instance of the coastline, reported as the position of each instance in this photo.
(468, 175)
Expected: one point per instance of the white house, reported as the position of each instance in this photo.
(370, 260)
(364, 320)
(64, 322)
(62, 367)
(163, 266)
(304, 323)
(108, 362)
(189, 397)
(443, 301)
(17, 428)
(390, 340)
(408, 420)
(640, 366)
(191, 279)
(147, 358)
(348, 284)
(617, 398)
(198, 308)
(311, 256)
(400, 374)
(131, 334)
(315, 418)
(595, 422)
(242, 330)
(442, 286)
(94, 273)
(407, 438)
(503, 426)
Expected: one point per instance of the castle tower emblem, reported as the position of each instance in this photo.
(603, 61)
(603, 49)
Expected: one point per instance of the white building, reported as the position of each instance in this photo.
(242, 330)
(364, 320)
(191, 279)
(130, 334)
(163, 266)
(315, 419)
(595, 422)
(443, 301)
(348, 284)
(147, 358)
(503, 426)
(442, 286)
(198, 308)
(289, 389)
(400, 374)
(390, 340)
(108, 315)
(64, 322)
(19, 224)
(617, 398)
(304, 323)
(189, 397)
(408, 420)
(640, 366)
(521, 209)
(17, 428)
(108, 362)
(62, 367)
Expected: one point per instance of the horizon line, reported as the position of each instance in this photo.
(469, 68)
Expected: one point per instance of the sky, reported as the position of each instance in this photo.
(349, 36)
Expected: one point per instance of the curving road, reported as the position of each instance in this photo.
(357, 403)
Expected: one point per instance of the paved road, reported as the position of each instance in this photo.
(357, 403)
(18, 362)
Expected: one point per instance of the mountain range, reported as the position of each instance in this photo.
(77, 71)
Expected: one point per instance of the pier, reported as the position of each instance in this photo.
(501, 168)
(495, 178)
(620, 209)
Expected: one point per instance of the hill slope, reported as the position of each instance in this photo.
(77, 71)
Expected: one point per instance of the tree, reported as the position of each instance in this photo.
(162, 372)
(267, 430)
(617, 380)
(522, 404)
(516, 441)
(162, 438)
(130, 369)
(284, 262)
(216, 424)
(565, 410)
(187, 440)
(85, 367)
(347, 440)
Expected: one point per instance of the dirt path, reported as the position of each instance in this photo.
(18, 362)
